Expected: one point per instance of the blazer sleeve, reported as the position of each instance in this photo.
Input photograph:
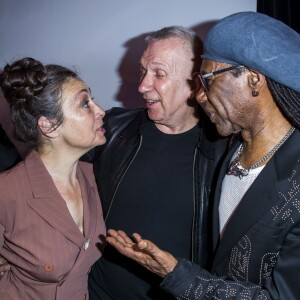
(2, 213)
(190, 281)
(1, 236)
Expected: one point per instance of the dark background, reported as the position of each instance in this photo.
(287, 11)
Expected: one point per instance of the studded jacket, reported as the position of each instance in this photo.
(258, 254)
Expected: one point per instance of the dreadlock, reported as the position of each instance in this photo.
(287, 99)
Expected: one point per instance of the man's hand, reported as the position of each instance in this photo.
(4, 266)
(143, 251)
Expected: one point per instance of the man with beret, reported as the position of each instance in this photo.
(250, 80)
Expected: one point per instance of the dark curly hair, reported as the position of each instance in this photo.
(33, 90)
(287, 99)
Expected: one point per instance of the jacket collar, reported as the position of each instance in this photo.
(207, 138)
(47, 202)
(135, 127)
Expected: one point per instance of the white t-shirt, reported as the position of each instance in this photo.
(233, 190)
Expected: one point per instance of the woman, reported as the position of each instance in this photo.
(50, 214)
(250, 86)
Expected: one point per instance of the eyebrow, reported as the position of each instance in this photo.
(155, 64)
(83, 91)
(76, 98)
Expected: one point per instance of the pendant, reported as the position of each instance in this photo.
(236, 169)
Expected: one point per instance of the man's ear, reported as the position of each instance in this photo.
(256, 80)
(195, 85)
(47, 127)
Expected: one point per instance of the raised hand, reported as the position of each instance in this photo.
(143, 251)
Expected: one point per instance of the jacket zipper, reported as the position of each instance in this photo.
(194, 204)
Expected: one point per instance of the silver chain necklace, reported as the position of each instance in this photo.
(235, 167)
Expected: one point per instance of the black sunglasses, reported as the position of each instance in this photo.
(204, 78)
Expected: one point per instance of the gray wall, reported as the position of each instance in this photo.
(102, 39)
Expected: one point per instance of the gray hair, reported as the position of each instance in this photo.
(189, 38)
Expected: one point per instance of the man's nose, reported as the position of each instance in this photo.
(146, 84)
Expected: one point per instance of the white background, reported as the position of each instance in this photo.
(101, 39)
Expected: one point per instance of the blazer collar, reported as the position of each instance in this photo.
(258, 199)
(47, 202)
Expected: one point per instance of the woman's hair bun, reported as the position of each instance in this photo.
(23, 80)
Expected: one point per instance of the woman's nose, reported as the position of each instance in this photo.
(99, 112)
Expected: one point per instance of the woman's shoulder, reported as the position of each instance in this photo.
(12, 181)
(12, 172)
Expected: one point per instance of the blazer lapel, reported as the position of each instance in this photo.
(255, 203)
(47, 202)
(89, 197)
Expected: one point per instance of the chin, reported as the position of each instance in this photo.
(101, 142)
(224, 130)
(153, 115)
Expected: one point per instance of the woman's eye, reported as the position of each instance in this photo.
(85, 103)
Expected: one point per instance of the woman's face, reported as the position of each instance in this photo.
(83, 118)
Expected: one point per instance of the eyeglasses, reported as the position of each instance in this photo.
(203, 78)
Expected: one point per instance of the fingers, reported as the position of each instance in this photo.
(4, 268)
(119, 237)
(142, 244)
(146, 245)
(143, 251)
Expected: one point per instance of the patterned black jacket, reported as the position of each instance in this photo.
(258, 256)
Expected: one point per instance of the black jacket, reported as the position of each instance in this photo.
(124, 136)
(9, 155)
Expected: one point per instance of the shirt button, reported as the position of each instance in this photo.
(48, 267)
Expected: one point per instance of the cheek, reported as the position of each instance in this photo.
(180, 94)
(164, 89)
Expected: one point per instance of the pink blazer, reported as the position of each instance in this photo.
(50, 257)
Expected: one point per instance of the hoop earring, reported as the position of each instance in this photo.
(255, 93)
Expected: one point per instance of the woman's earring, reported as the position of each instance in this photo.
(255, 93)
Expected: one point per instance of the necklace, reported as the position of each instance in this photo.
(235, 167)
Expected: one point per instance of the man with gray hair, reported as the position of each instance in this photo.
(156, 170)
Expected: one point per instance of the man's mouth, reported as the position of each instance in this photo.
(148, 101)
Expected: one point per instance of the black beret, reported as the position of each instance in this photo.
(258, 42)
